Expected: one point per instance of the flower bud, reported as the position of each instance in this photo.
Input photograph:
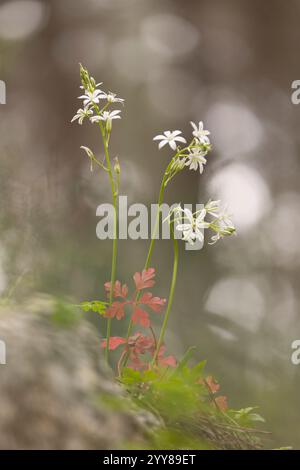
(108, 125)
(117, 168)
(84, 76)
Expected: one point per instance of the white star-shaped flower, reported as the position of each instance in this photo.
(170, 137)
(81, 115)
(200, 133)
(110, 97)
(212, 207)
(223, 216)
(196, 159)
(107, 116)
(90, 97)
(221, 233)
(192, 229)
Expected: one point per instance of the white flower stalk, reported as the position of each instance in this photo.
(81, 115)
(90, 98)
(170, 137)
(200, 133)
(111, 97)
(196, 159)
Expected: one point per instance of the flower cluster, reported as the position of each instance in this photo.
(194, 223)
(192, 156)
(137, 344)
(92, 97)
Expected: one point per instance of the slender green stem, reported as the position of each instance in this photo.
(105, 139)
(151, 246)
(153, 236)
(170, 301)
(156, 225)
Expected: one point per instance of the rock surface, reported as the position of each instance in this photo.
(52, 384)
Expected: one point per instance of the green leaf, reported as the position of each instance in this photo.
(245, 416)
(186, 357)
(94, 306)
(198, 368)
(131, 377)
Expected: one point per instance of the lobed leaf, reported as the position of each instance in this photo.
(144, 279)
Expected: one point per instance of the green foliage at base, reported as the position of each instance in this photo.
(189, 412)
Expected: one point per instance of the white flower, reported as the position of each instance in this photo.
(200, 133)
(222, 225)
(212, 207)
(81, 115)
(223, 216)
(110, 97)
(195, 159)
(88, 151)
(221, 233)
(107, 116)
(170, 138)
(215, 238)
(90, 154)
(90, 97)
(192, 229)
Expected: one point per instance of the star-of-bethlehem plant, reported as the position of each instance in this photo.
(143, 358)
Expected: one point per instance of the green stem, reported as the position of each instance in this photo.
(115, 241)
(170, 301)
(156, 226)
(151, 246)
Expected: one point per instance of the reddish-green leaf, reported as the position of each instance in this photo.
(116, 310)
(144, 279)
(114, 342)
(213, 386)
(140, 317)
(119, 289)
(155, 303)
(222, 403)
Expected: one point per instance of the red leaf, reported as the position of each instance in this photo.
(137, 364)
(140, 317)
(144, 279)
(167, 361)
(114, 342)
(116, 310)
(213, 386)
(222, 403)
(119, 289)
(155, 303)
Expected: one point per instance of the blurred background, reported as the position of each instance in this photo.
(230, 64)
